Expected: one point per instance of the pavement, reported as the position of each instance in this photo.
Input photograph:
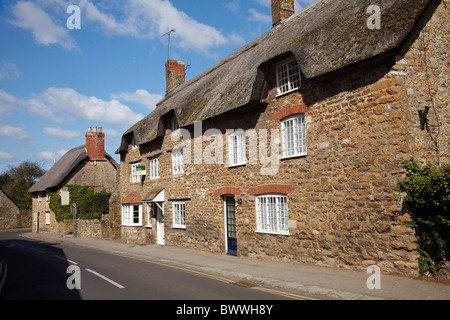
(331, 283)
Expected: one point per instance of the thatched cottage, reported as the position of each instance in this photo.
(88, 165)
(291, 148)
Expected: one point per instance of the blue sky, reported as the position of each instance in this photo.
(55, 82)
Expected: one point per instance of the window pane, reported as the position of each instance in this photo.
(272, 214)
(177, 162)
(135, 214)
(179, 215)
(288, 77)
(294, 136)
(236, 148)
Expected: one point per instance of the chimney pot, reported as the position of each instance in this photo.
(175, 74)
(281, 10)
(95, 144)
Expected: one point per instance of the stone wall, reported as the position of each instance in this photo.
(10, 215)
(362, 123)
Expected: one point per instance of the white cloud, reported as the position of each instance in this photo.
(153, 18)
(259, 17)
(9, 71)
(233, 5)
(266, 3)
(111, 133)
(140, 96)
(50, 155)
(299, 4)
(149, 19)
(5, 156)
(60, 133)
(66, 104)
(142, 19)
(8, 103)
(30, 16)
(107, 21)
(13, 132)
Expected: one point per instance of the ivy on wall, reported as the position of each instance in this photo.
(427, 201)
(90, 205)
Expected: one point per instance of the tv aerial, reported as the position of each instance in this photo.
(168, 45)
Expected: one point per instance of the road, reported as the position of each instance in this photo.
(53, 271)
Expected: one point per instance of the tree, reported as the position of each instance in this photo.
(16, 182)
(427, 201)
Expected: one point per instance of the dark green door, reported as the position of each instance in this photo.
(230, 208)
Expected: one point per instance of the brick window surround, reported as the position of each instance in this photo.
(271, 188)
(291, 110)
(227, 190)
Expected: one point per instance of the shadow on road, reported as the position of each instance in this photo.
(34, 270)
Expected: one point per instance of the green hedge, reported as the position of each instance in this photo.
(90, 205)
(427, 201)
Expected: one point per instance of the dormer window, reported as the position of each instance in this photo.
(174, 124)
(288, 77)
(133, 143)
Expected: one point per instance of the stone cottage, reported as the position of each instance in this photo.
(10, 215)
(89, 165)
(291, 148)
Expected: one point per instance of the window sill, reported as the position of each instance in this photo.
(237, 165)
(273, 232)
(148, 227)
(279, 95)
(294, 156)
(179, 227)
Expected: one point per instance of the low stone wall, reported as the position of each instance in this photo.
(18, 220)
(96, 229)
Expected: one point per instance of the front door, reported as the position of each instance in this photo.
(230, 213)
(160, 223)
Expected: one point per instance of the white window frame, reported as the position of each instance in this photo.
(272, 214)
(288, 77)
(135, 178)
(128, 215)
(237, 148)
(133, 143)
(155, 169)
(179, 214)
(177, 162)
(47, 218)
(174, 124)
(293, 133)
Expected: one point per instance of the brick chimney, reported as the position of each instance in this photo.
(95, 143)
(281, 10)
(175, 74)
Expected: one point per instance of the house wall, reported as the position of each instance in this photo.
(99, 174)
(10, 215)
(362, 123)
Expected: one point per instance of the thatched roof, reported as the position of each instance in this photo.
(325, 36)
(63, 167)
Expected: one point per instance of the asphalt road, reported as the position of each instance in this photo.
(38, 270)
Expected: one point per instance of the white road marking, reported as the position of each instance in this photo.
(65, 259)
(105, 278)
(40, 251)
